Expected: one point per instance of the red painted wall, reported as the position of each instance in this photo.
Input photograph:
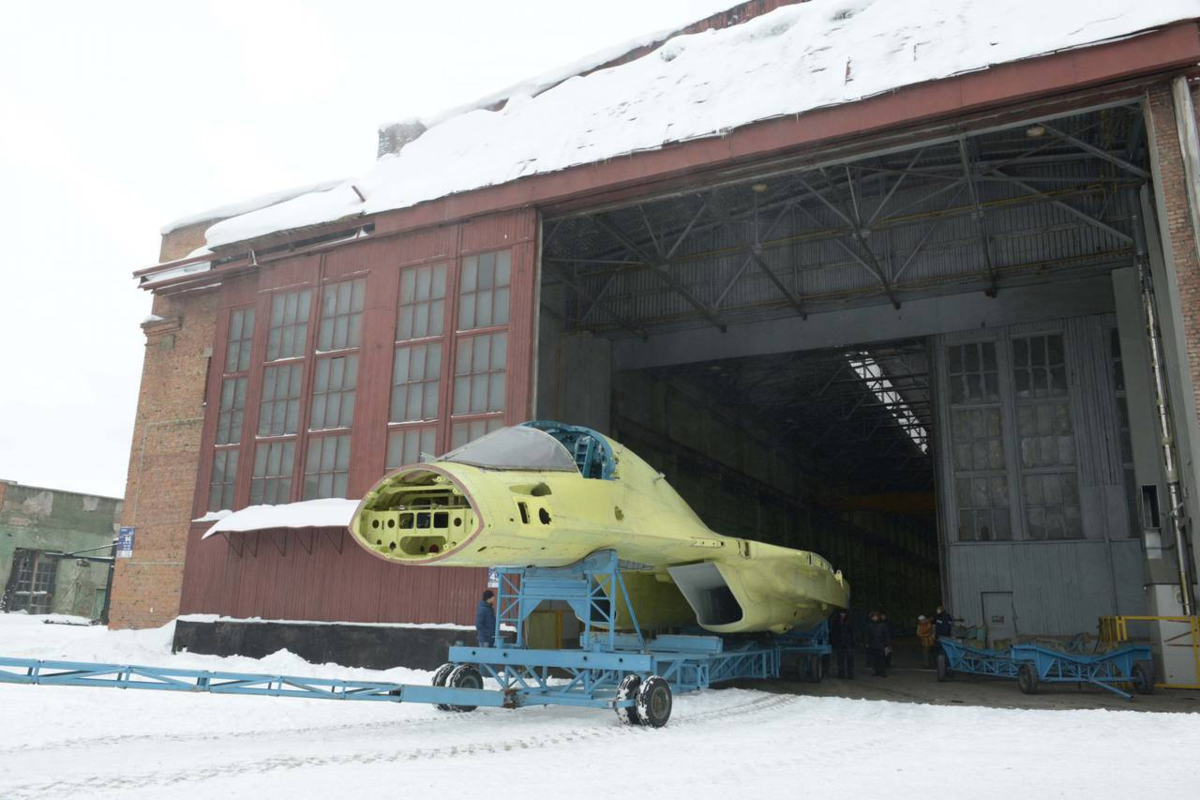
(323, 574)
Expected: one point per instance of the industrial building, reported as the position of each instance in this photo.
(937, 323)
(56, 549)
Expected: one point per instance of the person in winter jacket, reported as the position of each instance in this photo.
(943, 623)
(841, 637)
(879, 639)
(926, 635)
(485, 619)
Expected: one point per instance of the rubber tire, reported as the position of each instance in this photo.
(628, 688)
(815, 670)
(1143, 677)
(1027, 678)
(943, 667)
(464, 676)
(439, 679)
(654, 702)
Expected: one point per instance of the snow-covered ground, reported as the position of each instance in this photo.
(73, 742)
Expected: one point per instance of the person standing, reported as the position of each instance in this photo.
(841, 636)
(927, 636)
(485, 620)
(943, 623)
(878, 641)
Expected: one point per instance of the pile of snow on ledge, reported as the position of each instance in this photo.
(327, 513)
(795, 59)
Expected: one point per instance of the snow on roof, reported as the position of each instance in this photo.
(795, 59)
(328, 513)
(246, 206)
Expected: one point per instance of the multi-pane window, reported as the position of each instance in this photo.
(483, 296)
(1046, 437)
(415, 382)
(241, 335)
(974, 376)
(977, 442)
(272, 480)
(231, 410)
(34, 581)
(1126, 435)
(463, 432)
(327, 468)
(333, 392)
(405, 446)
(289, 324)
(279, 411)
(341, 316)
(223, 484)
(422, 302)
(479, 374)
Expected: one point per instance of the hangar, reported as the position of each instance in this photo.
(936, 326)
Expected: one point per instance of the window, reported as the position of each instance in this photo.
(479, 374)
(977, 441)
(231, 411)
(415, 382)
(405, 446)
(241, 335)
(341, 316)
(483, 298)
(272, 480)
(333, 393)
(289, 324)
(328, 467)
(279, 411)
(422, 302)
(34, 578)
(1046, 438)
(223, 484)
(464, 432)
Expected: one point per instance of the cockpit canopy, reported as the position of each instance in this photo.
(540, 445)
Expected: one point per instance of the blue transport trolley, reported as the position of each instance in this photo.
(633, 675)
(1032, 665)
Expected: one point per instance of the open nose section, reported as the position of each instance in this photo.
(415, 515)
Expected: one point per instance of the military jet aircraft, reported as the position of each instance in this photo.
(546, 494)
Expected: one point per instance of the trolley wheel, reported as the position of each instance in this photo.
(1027, 678)
(439, 679)
(654, 702)
(943, 667)
(464, 676)
(1143, 677)
(628, 690)
(815, 669)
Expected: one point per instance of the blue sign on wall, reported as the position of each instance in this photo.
(125, 543)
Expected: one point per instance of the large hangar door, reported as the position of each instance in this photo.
(1035, 490)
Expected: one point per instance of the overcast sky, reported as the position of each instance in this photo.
(118, 117)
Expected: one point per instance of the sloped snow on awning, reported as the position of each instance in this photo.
(327, 513)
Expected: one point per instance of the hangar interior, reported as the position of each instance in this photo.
(925, 361)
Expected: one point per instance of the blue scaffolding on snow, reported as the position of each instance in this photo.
(627, 672)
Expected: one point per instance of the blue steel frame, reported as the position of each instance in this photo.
(589, 676)
(1103, 670)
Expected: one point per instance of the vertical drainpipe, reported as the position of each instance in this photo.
(1166, 426)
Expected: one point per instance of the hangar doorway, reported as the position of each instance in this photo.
(986, 272)
(827, 450)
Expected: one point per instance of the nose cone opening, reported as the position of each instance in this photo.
(414, 515)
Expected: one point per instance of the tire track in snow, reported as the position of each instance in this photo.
(261, 765)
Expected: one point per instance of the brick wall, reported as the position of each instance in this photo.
(1174, 215)
(164, 458)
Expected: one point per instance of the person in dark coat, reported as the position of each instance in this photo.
(841, 638)
(943, 623)
(485, 620)
(878, 641)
